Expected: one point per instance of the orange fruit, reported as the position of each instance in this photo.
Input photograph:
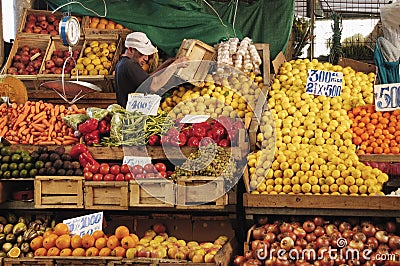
(95, 19)
(101, 26)
(61, 229)
(63, 241)
(66, 252)
(135, 238)
(378, 150)
(113, 242)
(357, 140)
(100, 243)
(54, 251)
(105, 252)
(395, 150)
(103, 21)
(47, 233)
(128, 242)
(92, 252)
(119, 26)
(97, 234)
(118, 252)
(78, 252)
(40, 252)
(87, 241)
(36, 243)
(50, 241)
(93, 25)
(110, 26)
(121, 231)
(76, 241)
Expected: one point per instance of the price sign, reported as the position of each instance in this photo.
(86, 224)
(387, 97)
(136, 160)
(146, 104)
(325, 83)
(192, 119)
(4, 99)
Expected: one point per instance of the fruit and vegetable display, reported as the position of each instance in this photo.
(222, 94)
(55, 64)
(319, 241)
(104, 23)
(314, 152)
(375, 132)
(96, 59)
(124, 172)
(37, 123)
(26, 61)
(17, 233)
(242, 55)
(155, 243)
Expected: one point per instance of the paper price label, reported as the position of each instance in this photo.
(325, 83)
(146, 104)
(387, 97)
(86, 224)
(135, 160)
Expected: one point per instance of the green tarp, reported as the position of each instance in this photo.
(168, 22)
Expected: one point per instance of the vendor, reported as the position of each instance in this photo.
(129, 74)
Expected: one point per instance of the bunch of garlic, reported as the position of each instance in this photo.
(242, 55)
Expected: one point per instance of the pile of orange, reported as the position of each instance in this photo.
(103, 23)
(375, 132)
(58, 242)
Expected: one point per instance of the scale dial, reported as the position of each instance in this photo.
(70, 30)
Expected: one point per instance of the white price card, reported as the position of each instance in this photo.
(325, 83)
(146, 104)
(387, 97)
(86, 224)
(136, 160)
(192, 119)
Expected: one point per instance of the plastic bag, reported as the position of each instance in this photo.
(391, 22)
(73, 121)
(116, 128)
(97, 113)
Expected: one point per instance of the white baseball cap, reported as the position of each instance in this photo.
(139, 41)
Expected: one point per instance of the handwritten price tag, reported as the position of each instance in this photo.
(325, 83)
(86, 224)
(387, 97)
(135, 160)
(146, 104)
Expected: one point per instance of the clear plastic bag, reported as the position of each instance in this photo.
(391, 22)
(73, 121)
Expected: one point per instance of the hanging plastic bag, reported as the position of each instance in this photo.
(391, 22)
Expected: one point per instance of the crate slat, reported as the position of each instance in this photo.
(59, 191)
(27, 262)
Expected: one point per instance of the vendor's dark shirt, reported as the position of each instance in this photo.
(129, 75)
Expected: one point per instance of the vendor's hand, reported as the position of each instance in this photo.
(181, 62)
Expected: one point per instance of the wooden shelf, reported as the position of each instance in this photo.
(384, 158)
(17, 205)
(386, 206)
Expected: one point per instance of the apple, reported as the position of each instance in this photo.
(172, 252)
(144, 253)
(51, 18)
(209, 258)
(49, 64)
(382, 236)
(159, 228)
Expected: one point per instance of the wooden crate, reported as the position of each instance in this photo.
(59, 192)
(24, 19)
(88, 31)
(28, 262)
(143, 261)
(193, 194)
(263, 51)
(198, 51)
(82, 261)
(56, 44)
(151, 192)
(106, 195)
(43, 42)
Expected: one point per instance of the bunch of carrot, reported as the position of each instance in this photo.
(37, 123)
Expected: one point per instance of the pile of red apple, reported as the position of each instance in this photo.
(27, 61)
(316, 241)
(43, 24)
(55, 64)
(116, 172)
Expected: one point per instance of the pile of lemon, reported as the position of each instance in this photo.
(232, 95)
(96, 60)
(310, 137)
